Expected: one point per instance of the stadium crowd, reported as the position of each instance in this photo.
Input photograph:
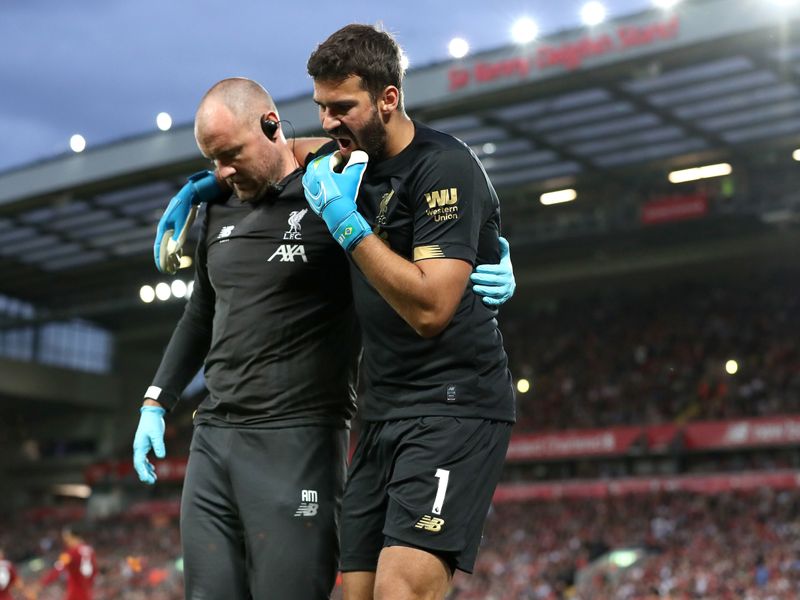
(657, 356)
(743, 545)
(137, 559)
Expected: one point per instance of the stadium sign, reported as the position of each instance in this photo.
(568, 55)
(781, 430)
(775, 431)
(569, 444)
(677, 207)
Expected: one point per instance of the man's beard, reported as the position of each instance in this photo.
(270, 185)
(372, 137)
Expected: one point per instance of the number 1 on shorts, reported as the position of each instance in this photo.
(443, 475)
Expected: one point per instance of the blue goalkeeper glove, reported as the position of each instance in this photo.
(495, 283)
(332, 196)
(149, 436)
(177, 220)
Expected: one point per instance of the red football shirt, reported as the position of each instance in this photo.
(80, 566)
(7, 577)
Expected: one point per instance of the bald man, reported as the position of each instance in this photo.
(272, 319)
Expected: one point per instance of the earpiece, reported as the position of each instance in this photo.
(269, 127)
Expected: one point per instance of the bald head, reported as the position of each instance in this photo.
(244, 100)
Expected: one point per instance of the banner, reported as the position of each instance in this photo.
(697, 484)
(674, 208)
(566, 55)
(660, 438)
(744, 433)
(574, 443)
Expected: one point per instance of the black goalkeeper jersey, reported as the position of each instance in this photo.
(433, 200)
(271, 316)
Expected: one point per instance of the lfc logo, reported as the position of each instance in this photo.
(294, 225)
(380, 220)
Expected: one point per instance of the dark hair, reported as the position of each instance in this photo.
(79, 529)
(361, 50)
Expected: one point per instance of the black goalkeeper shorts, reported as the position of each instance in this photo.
(426, 483)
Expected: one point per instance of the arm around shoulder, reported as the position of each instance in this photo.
(302, 147)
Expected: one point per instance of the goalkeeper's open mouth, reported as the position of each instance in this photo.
(345, 144)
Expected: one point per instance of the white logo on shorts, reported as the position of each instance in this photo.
(308, 504)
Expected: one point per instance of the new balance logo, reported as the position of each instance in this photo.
(288, 252)
(225, 231)
(442, 198)
(429, 523)
(306, 509)
(308, 504)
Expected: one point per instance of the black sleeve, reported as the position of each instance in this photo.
(448, 194)
(191, 339)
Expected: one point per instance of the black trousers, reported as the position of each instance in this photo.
(260, 512)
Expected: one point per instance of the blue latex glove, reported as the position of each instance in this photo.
(149, 436)
(332, 196)
(177, 220)
(495, 283)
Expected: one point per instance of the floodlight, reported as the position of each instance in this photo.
(695, 173)
(524, 30)
(163, 291)
(458, 47)
(558, 196)
(77, 143)
(163, 121)
(593, 13)
(666, 4)
(178, 288)
(147, 294)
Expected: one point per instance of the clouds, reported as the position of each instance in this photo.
(105, 68)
